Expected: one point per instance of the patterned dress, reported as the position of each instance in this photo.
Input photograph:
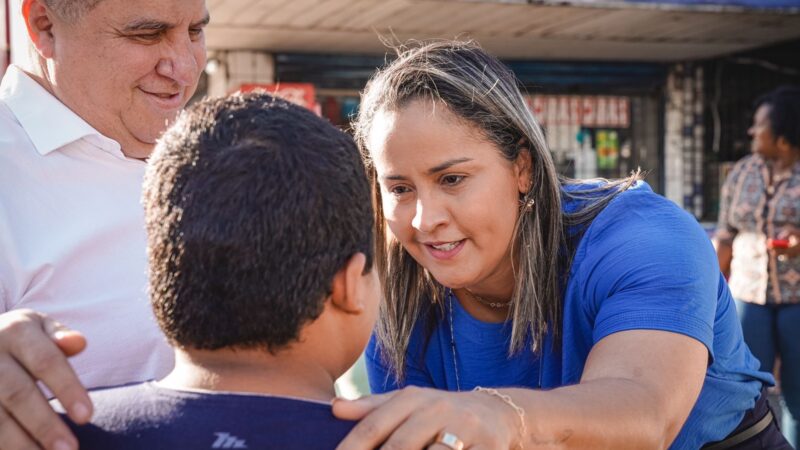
(751, 211)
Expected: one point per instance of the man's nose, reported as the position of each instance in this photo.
(180, 64)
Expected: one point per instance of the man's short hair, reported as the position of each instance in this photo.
(252, 205)
(71, 10)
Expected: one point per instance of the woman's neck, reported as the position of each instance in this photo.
(786, 162)
(480, 310)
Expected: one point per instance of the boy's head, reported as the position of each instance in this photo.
(254, 206)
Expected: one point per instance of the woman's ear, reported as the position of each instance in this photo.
(784, 146)
(524, 167)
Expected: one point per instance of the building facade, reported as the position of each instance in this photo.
(665, 86)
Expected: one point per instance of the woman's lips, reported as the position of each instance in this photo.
(445, 250)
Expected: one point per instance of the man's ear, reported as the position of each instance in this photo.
(347, 285)
(39, 22)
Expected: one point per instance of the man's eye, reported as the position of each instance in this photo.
(149, 37)
(195, 33)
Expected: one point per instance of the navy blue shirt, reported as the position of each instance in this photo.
(146, 416)
(642, 264)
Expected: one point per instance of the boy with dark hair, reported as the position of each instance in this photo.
(259, 223)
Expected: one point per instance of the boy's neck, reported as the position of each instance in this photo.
(251, 371)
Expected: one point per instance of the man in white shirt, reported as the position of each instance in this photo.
(74, 132)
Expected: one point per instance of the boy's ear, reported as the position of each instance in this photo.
(347, 285)
(40, 27)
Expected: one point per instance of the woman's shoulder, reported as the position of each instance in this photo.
(597, 204)
(750, 159)
(750, 163)
(578, 194)
(638, 213)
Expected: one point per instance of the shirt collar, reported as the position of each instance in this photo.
(49, 123)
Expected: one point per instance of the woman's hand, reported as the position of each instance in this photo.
(412, 418)
(787, 245)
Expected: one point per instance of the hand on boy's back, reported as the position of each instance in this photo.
(34, 347)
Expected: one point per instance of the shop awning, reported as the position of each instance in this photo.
(640, 30)
(700, 4)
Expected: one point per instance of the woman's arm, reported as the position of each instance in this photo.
(637, 389)
(636, 392)
(724, 256)
(723, 238)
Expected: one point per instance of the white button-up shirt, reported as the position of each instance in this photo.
(72, 240)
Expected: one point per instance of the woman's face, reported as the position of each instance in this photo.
(763, 141)
(448, 195)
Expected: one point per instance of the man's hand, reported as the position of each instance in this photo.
(34, 347)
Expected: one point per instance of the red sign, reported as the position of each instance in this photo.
(537, 105)
(588, 111)
(302, 94)
(624, 112)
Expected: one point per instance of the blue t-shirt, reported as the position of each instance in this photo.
(146, 416)
(642, 264)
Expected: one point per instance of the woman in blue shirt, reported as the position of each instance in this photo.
(557, 313)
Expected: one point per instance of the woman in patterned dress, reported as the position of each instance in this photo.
(758, 243)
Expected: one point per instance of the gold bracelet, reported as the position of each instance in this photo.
(508, 401)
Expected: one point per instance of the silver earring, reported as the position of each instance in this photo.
(527, 205)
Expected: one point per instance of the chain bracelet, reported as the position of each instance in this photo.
(508, 401)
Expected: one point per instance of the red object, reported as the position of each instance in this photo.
(303, 94)
(777, 243)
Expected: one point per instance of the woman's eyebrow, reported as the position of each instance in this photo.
(447, 164)
(433, 170)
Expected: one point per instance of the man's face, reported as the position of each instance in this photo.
(127, 67)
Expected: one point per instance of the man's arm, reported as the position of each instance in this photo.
(34, 347)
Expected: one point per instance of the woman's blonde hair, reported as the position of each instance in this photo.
(483, 92)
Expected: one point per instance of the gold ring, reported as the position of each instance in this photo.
(449, 440)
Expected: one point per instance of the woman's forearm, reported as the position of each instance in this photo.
(725, 256)
(609, 413)
(637, 389)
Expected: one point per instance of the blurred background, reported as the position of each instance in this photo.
(667, 86)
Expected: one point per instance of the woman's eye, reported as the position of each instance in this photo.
(398, 190)
(452, 180)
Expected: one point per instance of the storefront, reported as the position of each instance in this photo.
(601, 119)
(618, 85)
(732, 85)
